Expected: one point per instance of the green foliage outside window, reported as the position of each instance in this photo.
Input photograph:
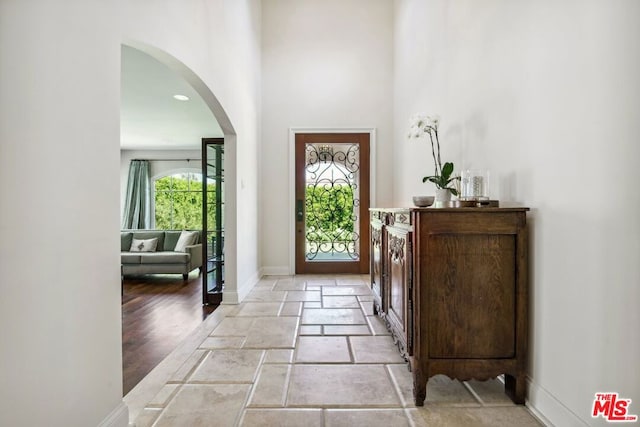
(329, 213)
(178, 202)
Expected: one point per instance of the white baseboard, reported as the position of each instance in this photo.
(275, 271)
(119, 417)
(548, 409)
(241, 293)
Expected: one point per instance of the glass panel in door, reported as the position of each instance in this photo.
(213, 220)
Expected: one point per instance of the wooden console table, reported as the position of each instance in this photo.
(451, 285)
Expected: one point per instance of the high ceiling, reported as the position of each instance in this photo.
(150, 117)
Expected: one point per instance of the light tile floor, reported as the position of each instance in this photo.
(306, 351)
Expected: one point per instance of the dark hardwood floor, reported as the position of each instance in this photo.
(158, 311)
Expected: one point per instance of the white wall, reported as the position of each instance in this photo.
(219, 41)
(325, 64)
(60, 315)
(60, 318)
(545, 95)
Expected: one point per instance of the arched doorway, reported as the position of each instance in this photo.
(199, 93)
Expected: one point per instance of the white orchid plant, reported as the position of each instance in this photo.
(421, 125)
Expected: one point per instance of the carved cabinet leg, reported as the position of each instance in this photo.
(515, 387)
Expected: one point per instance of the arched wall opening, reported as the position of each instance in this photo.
(229, 134)
(165, 165)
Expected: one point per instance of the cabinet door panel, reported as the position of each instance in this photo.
(398, 259)
(377, 285)
(471, 303)
(397, 279)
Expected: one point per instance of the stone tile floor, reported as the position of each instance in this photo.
(306, 351)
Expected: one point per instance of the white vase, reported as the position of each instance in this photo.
(442, 195)
(442, 198)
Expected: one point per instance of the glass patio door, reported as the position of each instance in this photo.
(213, 220)
(332, 203)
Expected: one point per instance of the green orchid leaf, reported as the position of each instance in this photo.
(447, 170)
(453, 179)
(433, 179)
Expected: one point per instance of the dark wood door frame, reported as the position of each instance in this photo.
(363, 139)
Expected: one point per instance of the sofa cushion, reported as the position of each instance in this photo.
(170, 239)
(130, 258)
(150, 234)
(125, 240)
(164, 258)
(187, 238)
(146, 245)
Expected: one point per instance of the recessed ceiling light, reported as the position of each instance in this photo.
(181, 97)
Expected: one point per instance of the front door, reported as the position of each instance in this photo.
(332, 203)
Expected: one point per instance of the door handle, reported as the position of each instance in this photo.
(299, 210)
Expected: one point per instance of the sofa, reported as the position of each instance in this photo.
(160, 252)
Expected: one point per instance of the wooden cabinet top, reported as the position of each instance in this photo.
(449, 210)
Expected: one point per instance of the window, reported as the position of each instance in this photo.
(178, 201)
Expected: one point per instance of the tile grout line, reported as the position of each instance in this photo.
(396, 386)
(409, 417)
(294, 353)
(157, 418)
(256, 377)
(240, 416)
(282, 304)
(196, 365)
(285, 395)
(473, 393)
(352, 355)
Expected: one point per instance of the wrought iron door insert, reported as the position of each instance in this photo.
(332, 198)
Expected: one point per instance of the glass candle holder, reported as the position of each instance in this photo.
(474, 185)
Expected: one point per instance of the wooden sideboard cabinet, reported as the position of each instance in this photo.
(451, 285)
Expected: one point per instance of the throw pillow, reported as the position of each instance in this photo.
(148, 245)
(186, 238)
